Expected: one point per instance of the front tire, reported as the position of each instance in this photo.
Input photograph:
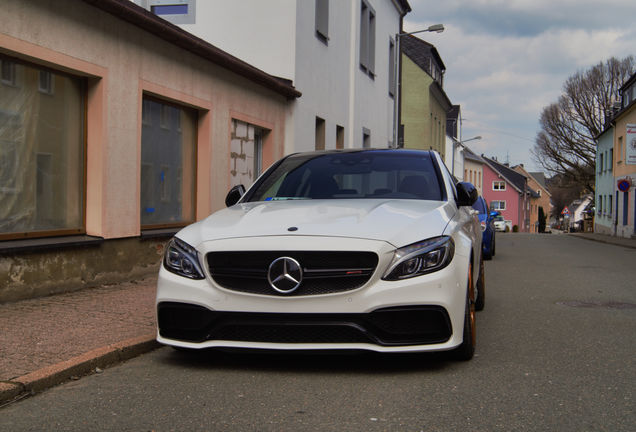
(466, 350)
(481, 288)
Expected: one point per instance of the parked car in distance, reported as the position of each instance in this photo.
(499, 223)
(486, 220)
(363, 249)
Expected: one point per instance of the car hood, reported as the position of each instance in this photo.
(399, 222)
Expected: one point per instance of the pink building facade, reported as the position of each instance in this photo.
(506, 193)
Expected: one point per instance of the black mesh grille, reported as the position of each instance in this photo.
(409, 325)
(324, 272)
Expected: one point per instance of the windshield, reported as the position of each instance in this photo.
(366, 174)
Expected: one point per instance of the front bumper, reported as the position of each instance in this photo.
(408, 325)
(424, 313)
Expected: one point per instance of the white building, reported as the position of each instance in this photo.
(338, 54)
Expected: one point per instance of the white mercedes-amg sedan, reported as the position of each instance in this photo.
(363, 249)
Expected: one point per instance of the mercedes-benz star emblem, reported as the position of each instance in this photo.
(285, 275)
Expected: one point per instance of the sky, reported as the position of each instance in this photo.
(508, 59)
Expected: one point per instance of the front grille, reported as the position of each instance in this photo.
(407, 325)
(324, 272)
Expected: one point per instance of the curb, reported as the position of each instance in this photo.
(84, 364)
(606, 241)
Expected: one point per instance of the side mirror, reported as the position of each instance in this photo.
(466, 194)
(234, 195)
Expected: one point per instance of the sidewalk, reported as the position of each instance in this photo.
(46, 341)
(603, 238)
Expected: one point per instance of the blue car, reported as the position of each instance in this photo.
(486, 219)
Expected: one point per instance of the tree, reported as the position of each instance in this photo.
(566, 144)
(563, 192)
(542, 220)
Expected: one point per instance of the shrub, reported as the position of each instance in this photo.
(515, 228)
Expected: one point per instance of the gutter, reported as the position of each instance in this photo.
(140, 17)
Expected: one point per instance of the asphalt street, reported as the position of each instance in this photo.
(555, 352)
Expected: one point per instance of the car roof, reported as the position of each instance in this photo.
(365, 150)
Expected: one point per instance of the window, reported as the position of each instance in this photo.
(42, 148)
(498, 205)
(366, 138)
(610, 208)
(164, 116)
(392, 68)
(8, 73)
(168, 164)
(619, 157)
(611, 159)
(600, 165)
(46, 82)
(322, 20)
(499, 185)
(175, 11)
(339, 137)
(367, 39)
(319, 142)
(246, 153)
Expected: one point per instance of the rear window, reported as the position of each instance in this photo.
(350, 175)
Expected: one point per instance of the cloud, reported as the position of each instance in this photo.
(508, 59)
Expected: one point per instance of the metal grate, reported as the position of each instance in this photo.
(324, 272)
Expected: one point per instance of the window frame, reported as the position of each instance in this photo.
(392, 67)
(499, 183)
(11, 67)
(179, 174)
(322, 21)
(498, 207)
(83, 124)
(367, 38)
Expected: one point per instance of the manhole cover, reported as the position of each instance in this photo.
(597, 305)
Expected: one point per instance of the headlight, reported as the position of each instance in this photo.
(420, 258)
(483, 226)
(182, 259)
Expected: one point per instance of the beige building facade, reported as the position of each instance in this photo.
(117, 129)
(423, 102)
(539, 197)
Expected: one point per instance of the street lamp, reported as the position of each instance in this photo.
(460, 143)
(436, 28)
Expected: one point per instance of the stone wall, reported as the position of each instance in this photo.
(61, 269)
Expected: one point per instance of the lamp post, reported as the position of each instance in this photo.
(460, 143)
(437, 28)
